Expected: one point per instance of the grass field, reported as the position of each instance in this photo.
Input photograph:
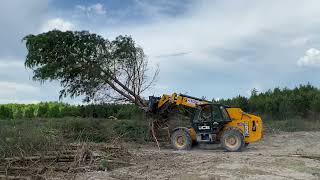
(26, 136)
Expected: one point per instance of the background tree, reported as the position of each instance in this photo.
(89, 65)
(302, 102)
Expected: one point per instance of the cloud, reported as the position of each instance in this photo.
(300, 41)
(172, 54)
(57, 23)
(311, 58)
(8, 63)
(233, 45)
(208, 26)
(13, 88)
(160, 9)
(18, 19)
(19, 101)
(94, 8)
(207, 48)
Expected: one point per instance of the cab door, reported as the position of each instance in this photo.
(207, 118)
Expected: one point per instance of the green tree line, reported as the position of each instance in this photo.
(59, 110)
(281, 104)
(302, 102)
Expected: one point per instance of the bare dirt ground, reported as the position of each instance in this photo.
(277, 156)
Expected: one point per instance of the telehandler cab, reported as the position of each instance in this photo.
(210, 123)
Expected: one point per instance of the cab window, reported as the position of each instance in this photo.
(206, 113)
(225, 113)
(216, 114)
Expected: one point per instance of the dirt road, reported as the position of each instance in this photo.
(277, 156)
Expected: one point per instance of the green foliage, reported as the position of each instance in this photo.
(292, 109)
(301, 102)
(132, 130)
(20, 137)
(84, 129)
(291, 125)
(86, 64)
(315, 103)
(59, 110)
(104, 164)
(6, 112)
(75, 58)
(23, 137)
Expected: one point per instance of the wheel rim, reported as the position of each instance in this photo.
(180, 141)
(232, 141)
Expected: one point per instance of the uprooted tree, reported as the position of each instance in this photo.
(91, 66)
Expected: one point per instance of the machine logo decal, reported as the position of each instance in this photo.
(203, 127)
(245, 128)
(192, 101)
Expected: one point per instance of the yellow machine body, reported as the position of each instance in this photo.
(180, 100)
(250, 125)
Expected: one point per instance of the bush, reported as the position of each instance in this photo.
(291, 125)
(281, 104)
(59, 110)
(80, 129)
(29, 112)
(23, 137)
(132, 130)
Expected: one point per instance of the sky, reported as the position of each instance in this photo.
(211, 48)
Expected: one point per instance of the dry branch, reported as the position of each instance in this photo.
(78, 158)
(308, 156)
(15, 177)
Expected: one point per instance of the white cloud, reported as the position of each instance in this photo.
(13, 88)
(57, 23)
(208, 26)
(98, 8)
(231, 45)
(18, 101)
(222, 38)
(311, 57)
(300, 41)
(94, 8)
(19, 18)
(7, 63)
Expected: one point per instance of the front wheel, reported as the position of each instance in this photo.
(181, 140)
(232, 140)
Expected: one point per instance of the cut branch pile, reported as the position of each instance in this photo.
(75, 158)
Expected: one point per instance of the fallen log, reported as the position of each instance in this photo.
(33, 158)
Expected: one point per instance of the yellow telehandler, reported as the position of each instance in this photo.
(210, 123)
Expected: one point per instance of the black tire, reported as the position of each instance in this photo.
(232, 140)
(181, 140)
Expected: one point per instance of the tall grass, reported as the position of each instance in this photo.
(23, 137)
(291, 125)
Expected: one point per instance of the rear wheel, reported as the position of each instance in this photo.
(181, 140)
(232, 140)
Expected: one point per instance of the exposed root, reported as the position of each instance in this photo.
(157, 125)
(154, 135)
